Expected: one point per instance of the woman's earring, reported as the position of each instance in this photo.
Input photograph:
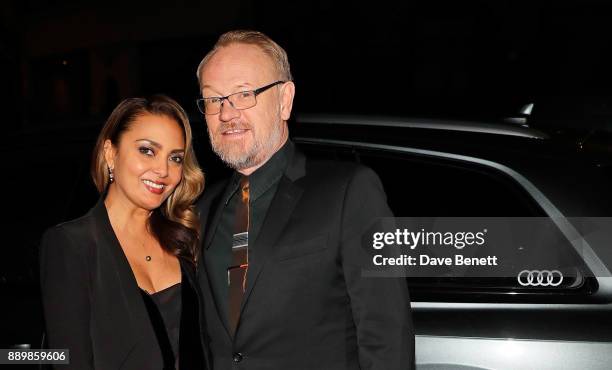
(111, 176)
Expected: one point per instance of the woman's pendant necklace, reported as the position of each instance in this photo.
(145, 247)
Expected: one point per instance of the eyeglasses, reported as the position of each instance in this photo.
(240, 100)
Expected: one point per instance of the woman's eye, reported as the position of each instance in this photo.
(146, 151)
(178, 159)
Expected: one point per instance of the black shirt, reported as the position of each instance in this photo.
(174, 316)
(164, 309)
(262, 188)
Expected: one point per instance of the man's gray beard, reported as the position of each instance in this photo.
(253, 156)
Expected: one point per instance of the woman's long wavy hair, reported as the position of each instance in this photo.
(174, 224)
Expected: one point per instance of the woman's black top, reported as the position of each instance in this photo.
(173, 320)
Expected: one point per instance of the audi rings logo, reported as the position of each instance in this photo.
(540, 278)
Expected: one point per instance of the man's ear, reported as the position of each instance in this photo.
(109, 153)
(287, 94)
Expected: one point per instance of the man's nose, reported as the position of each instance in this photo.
(227, 111)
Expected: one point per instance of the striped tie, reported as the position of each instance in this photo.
(237, 272)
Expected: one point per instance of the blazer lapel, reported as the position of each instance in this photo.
(281, 208)
(216, 206)
(192, 305)
(117, 275)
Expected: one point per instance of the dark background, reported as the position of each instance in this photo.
(65, 64)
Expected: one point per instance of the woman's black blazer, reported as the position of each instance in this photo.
(92, 303)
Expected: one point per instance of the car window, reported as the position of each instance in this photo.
(419, 186)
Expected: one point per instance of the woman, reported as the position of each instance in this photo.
(118, 284)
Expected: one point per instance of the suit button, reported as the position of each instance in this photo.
(237, 357)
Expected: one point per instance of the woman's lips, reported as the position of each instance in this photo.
(153, 187)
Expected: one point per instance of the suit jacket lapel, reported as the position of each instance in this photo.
(281, 208)
(191, 292)
(216, 206)
(137, 318)
(286, 198)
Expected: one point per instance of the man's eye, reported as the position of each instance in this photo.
(214, 100)
(146, 151)
(245, 94)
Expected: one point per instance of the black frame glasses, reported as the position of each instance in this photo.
(218, 100)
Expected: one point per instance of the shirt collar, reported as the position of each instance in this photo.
(267, 175)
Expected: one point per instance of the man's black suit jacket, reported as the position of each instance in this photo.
(92, 303)
(306, 305)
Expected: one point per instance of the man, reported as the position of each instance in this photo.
(282, 260)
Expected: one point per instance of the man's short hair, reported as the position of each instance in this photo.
(266, 44)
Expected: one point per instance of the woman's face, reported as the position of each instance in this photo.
(147, 162)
